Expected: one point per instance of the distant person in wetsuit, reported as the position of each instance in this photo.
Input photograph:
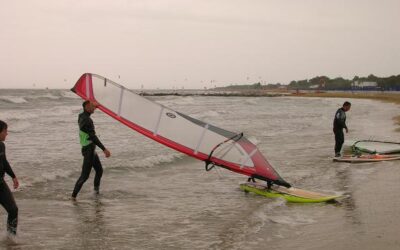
(89, 141)
(6, 197)
(339, 123)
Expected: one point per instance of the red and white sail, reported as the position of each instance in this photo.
(176, 130)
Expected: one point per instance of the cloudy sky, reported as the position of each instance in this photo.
(195, 43)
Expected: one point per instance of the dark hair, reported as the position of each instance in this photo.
(85, 103)
(346, 104)
(3, 126)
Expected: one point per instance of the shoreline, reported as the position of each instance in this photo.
(384, 97)
(379, 96)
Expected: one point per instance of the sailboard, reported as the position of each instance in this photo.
(366, 158)
(290, 194)
(203, 141)
(376, 147)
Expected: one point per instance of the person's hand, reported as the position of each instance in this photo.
(15, 182)
(347, 130)
(107, 153)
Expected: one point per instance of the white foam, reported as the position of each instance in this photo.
(251, 101)
(45, 96)
(253, 140)
(50, 176)
(157, 160)
(205, 115)
(69, 94)
(18, 115)
(177, 101)
(293, 220)
(18, 126)
(211, 113)
(61, 111)
(13, 99)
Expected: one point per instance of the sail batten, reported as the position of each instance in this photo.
(174, 129)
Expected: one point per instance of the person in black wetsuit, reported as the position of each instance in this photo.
(339, 123)
(6, 197)
(89, 141)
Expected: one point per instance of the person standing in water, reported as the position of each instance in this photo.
(6, 197)
(339, 123)
(89, 141)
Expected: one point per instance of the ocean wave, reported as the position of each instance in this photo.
(60, 173)
(211, 113)
(205, 115)
(69, 94)
(156, 160)
(292, 220)
(61, 111)
(146, 162)
(18, 126)
(30, 181)
(253, 140)
(13, 99)
(13, 115)
(44, 96)
(251, 101)
(177, 101)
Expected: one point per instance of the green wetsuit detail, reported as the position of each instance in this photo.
(87, 133)
(84, 138)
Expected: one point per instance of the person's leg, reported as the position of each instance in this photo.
(99, 172)
(8, 202)
(88, 158)
(339, 140)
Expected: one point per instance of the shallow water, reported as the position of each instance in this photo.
(155, 198)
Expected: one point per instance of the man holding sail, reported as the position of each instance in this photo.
(89, 141)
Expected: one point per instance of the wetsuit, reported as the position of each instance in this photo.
(6, 197)
(89, 141)
(339, 123)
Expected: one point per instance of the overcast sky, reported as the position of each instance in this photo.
(195, 43)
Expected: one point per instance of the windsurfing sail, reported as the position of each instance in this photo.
(373, 147)
(181, 132)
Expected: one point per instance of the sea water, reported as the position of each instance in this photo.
(153, 197)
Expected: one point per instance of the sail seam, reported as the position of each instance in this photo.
(87, 87)
(120, 101)
(158, 122)
(248, 158)
(201, 138)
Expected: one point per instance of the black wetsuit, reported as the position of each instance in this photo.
(6, 197)
(339, 123)
(90, 157)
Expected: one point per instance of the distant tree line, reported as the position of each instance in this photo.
(325, 83)
(339, 83)
(242, 86)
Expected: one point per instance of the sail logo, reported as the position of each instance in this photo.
(170, 115)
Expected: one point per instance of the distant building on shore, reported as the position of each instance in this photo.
(364, 84)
